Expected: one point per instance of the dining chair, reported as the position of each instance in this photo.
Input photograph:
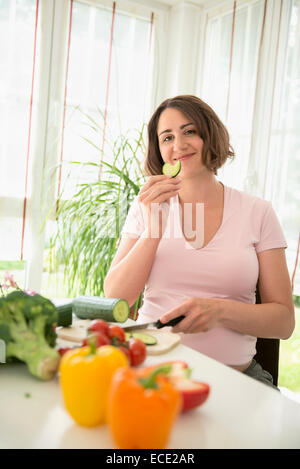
(267, 351)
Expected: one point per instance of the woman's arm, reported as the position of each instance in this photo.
(132, 264)
(130, 268)
(274, 318)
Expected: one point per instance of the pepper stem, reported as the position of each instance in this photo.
(93, 347)
(150, 381)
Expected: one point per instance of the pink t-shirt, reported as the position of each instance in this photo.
(227, 267)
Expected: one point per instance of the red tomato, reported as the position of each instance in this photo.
(118, 332)
(98, 339)
(125, 350)
(138, 351)
(63, 350)
(98, 325)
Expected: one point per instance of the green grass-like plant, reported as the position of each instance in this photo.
(88, 225)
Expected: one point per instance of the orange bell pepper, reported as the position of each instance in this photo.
(142, 410)
(85, 378)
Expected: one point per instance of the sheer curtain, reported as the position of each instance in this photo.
(251, 76)
(232, 43)
(71, 71)
(283, 170)
(107, 86)
(19, 63)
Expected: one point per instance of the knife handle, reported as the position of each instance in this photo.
(171, 323)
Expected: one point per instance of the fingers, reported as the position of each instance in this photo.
(182, 309)
(155, 179)
(159, 189)
(156, 185)
(191, 324)
(161, 197)
(158, 177)
(196, 319)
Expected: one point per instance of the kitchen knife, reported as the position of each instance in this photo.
(156, 324)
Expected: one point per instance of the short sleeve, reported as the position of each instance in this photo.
(271, 233)
(134, 224)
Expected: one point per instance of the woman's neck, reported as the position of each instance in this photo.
(203, 187)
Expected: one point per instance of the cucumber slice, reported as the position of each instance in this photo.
(173, 170)
(94, 307)
(146, 338)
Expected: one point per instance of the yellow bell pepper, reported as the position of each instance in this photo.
(85, 378)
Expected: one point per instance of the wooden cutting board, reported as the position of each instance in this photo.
(78, 331)
(75, 333)
(165, 341)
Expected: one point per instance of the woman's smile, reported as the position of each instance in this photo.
(185, 157)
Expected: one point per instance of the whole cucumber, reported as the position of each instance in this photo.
(95, 307)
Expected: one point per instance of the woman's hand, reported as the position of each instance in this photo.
(154, 197)
(201, 315)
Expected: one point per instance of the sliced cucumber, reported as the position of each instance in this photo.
(94, 307)
(173, 170)
(146, 338)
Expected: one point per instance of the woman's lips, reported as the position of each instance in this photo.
(185, 157)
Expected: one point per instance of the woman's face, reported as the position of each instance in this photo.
(179, 140)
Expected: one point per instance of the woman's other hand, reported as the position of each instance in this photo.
(201, 315)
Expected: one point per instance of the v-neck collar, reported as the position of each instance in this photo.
(178, 222)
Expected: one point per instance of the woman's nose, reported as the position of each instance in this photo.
(179, 143)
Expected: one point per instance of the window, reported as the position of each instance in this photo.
(251, 76)
(17, 70)
(18, 67)
(91, 62)
(108, 81)
(232, 44)
(283, 169)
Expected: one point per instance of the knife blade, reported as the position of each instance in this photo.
(157, 324)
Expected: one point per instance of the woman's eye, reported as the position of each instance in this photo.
(190, 131)
(167, 138)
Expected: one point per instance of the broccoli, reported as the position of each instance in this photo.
(26, 326)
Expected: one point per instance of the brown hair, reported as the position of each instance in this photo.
(216, 145)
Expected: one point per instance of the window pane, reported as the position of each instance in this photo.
(128, 96)
(17, 40)
(16, 268)
(231, 93)
(284, 158)
(17, 27)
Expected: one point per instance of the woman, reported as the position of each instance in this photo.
(204, 254)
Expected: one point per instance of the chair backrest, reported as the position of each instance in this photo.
(267, 351)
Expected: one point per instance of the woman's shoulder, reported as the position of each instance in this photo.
(246, 200)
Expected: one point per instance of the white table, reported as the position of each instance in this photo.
(240, 412)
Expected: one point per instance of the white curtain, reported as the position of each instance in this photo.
(251, 77)
(108, 85)
(63, 60)
(18, 91)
